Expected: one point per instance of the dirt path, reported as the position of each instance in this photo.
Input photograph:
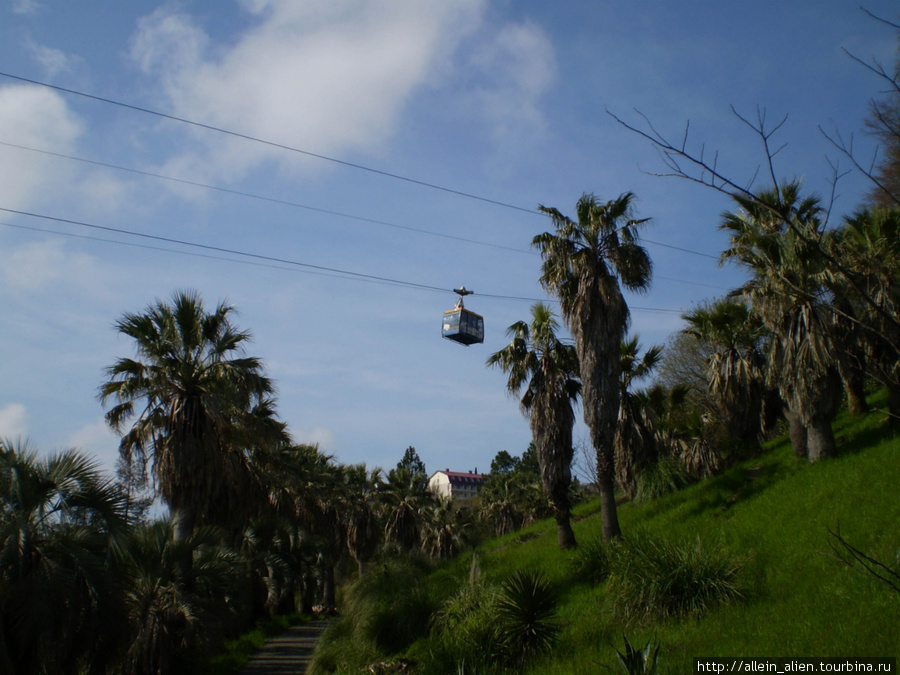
(290, 652)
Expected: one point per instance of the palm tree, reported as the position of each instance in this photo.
(502, 502)
(736, 367)
(175, 614)
(537, 360)
(443, 529)
(403, 501)
(194, 398)
(359, 513)
(771, 235)
(636, 444)
(308, 486)
(584, 263)
(869, 245)
(61, 521)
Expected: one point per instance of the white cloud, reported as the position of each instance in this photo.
(320, 436)
(329, 76)
(38, 118)
(13, 421)
(32, 266)
(96, 439)
(517, 68)
(53, 61)
(25, 6)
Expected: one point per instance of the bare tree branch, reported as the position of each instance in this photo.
(856, 559)
(707, 174)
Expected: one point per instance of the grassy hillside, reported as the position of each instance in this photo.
(774, 512)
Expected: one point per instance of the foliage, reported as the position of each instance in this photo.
(503, 462)
(665, 475)
(584, 262)
(527, 609)
(465, 630)
(60, 523)
(593, 561)
(774, 236)
(655, 577)
(385, 610)
(637, 441)
(636, 661)
(176, 615)
(195, 403)
(547, 369)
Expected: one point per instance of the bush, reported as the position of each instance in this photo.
(527, 617)
(390, 605)
(593, 561)
(465, 632)
(660, 478)
(385, 611)
(655, 578)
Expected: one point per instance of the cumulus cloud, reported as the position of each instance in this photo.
(13, 421)
(25, 6)
(96, 439)
(329, 76)
(320, 436)
(516, 68)
(32, 266)
(52, 61)
(33, 117)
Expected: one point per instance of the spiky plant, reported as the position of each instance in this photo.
(527, 617)
(636, 661)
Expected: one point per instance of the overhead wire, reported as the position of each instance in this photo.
(282, 146)
(283, 202)
(273, 144)
(254, 257)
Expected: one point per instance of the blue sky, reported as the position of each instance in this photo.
(506, 101)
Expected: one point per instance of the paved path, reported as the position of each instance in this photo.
(289, 653)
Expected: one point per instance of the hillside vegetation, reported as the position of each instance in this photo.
(772, 515)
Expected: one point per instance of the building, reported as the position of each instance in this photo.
(456, 485)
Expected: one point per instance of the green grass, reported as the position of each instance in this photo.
(236, 652)
(773, 514)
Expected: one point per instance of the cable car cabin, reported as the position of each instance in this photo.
(463, 326)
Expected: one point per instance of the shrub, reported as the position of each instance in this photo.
(636, 661)
(466, 636)
(656, 578)
(527, 617)
(385, 611)
(390, 605)
(660, 478)
(593, 561)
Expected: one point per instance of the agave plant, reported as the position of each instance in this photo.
(639, 661)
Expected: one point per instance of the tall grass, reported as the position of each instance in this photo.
(385, 611)
(654, 577)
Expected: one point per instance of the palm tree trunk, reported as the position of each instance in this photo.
(565, 534)
(182, 529)
(893, 407)
(820, 440)
(798, 433)
(328, 597)
(606, 483)
(854, 385)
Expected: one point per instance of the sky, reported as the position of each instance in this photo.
(334, 168)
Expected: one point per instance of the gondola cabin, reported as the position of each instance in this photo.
(461, 325)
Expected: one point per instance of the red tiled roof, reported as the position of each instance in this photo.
(463, 477)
